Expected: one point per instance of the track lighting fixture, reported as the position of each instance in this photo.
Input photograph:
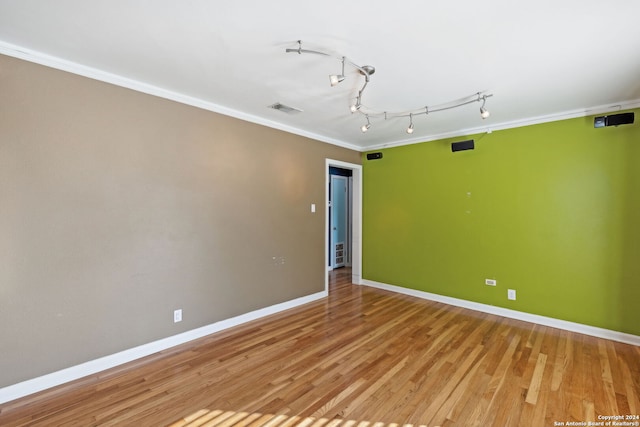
(367, 70)
(335, 78)
(410, 128)
(366, 127)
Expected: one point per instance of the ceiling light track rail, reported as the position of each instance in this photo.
(367, 70)
(345, 60)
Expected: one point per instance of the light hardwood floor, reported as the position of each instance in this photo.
(363, 356)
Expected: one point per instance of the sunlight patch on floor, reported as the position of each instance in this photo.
(220, 418)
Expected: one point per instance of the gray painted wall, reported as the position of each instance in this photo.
(117, 207)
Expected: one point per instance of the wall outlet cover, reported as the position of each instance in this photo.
(490, 282)
(511, 294)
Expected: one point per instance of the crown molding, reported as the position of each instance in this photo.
(115, 79)
(601, 109)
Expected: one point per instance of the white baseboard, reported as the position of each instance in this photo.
(512, 314)
(53, 379)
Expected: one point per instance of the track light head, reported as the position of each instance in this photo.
(484, 113)
(367, 70)
(355, 107)
(410, 128)
(335, 79)
(366, 126)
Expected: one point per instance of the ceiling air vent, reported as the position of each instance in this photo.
(285, 108)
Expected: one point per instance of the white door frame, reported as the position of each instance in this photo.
(356, 212)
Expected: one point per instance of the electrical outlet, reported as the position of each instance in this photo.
(177, 315)
(511, 294)
(490, 282)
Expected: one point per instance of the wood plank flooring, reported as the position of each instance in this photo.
(362, 357)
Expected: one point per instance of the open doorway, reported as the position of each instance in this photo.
(340, 218)
(343, 218)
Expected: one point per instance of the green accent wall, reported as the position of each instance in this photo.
(550, 210)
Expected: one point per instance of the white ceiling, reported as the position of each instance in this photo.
(540, 59)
